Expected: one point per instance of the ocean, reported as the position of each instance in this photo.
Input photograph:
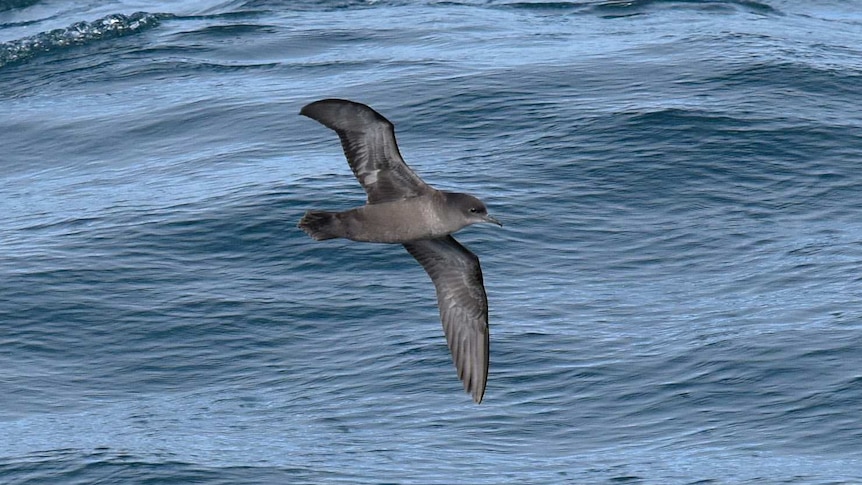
(675, 296)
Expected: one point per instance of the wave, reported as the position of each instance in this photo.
(79, 33)
(624, 8)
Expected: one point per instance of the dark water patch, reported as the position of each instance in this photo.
(216, 32)
(794, 77)
(15, 4)
(547, 7)
(629, 8)
(322, 5)
(107, 465)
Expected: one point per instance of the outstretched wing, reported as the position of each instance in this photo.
(463, 304)
(369, 144)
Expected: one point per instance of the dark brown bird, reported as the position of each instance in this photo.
(403, 209)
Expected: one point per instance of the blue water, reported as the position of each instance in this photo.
(675, 296)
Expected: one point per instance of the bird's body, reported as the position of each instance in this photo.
(403, 209)
(398, 221)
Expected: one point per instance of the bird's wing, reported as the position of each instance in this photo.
(463, 304)
(369, 144)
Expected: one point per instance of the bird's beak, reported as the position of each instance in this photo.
(492, 220)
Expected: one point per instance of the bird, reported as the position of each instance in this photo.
(402, 209)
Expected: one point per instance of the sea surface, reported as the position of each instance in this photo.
(675, 296)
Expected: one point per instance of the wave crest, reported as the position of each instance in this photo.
(79, 33)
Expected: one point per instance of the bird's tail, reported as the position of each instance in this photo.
(320, 225)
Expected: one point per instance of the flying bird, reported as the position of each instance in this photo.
(403, 209)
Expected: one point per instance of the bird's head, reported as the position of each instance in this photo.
(473, 209)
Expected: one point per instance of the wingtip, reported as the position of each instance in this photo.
(477, 392)
(475, 386)
(308, 108)
(342, 114)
